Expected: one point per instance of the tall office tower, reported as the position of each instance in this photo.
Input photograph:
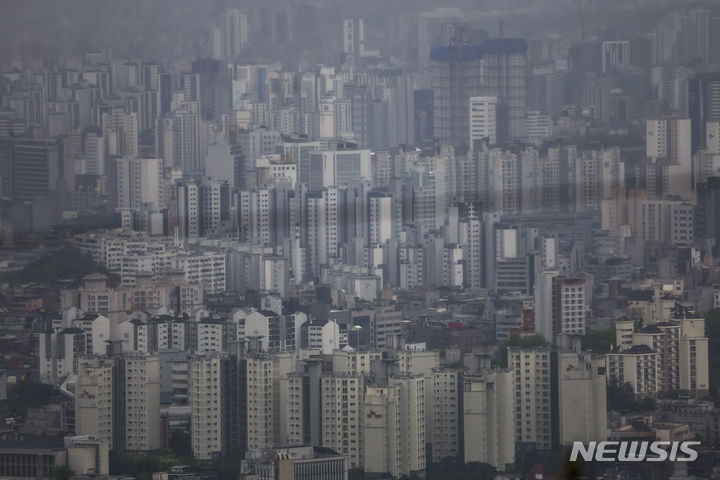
(558, 179)
(335, 168)
(505, 77)
(471, 238)
(258, 142)
(139, 407)
(380, 217)
(150, 76)
(423, 109)
(139, 183)
(244, 170)
(707, 160)
(533, 188)
(181, 139)
(205, 393)
(587, 182)
(714, 53)
(612, 172)
(559, 305)
(120, 131)
(456, 77)
(256, 210)
(615, 55)
(443, 414)
(231, 35)
(505, 190)
(669, 139)
(211, 83)
(94, 399)
(35, 168)
(427, 205)
(546, 91)
(400, 97)
(394, 427)
(483, 112)
(214, 207)
(342, 415)
(582, 400)
(381, 164)
(667, 221)
(298, 150)
(354, 37)
(532, 377)
(466, 171)
(322, 228)
(126, 74)
(259, 401)
(489, 411)
(93, 152)
(703, 96)
(188, 221)
(6, 165)
(433, 243)
(706, 216)
(335, 118)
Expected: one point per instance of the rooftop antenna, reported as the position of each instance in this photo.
(501, 28)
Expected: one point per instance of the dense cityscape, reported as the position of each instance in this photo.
(323, 240)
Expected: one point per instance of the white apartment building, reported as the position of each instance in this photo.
(693, 361)
(94, 399)
(667, 221)
(504, 182)
(205, 399)
(206, 268)
(342, 415)
(488, 415)
(394, 427)
(615, 55)
(259, 401)
(59, 353)
(443, 392)
(208, 336)
(142, 402)
(639, 366)
(532, 390)
(582, 402)
(670, 139)
(483, 119)
(335, 168)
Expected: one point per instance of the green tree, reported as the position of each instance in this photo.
(228, 467)
(599, 342)
(180, 443)
(451, 469)
(28, 394)
(621, 398)
(62, 472)
(67, 263)
(142, 466)
(535, 340)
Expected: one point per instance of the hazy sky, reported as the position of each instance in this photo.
(180, 28)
